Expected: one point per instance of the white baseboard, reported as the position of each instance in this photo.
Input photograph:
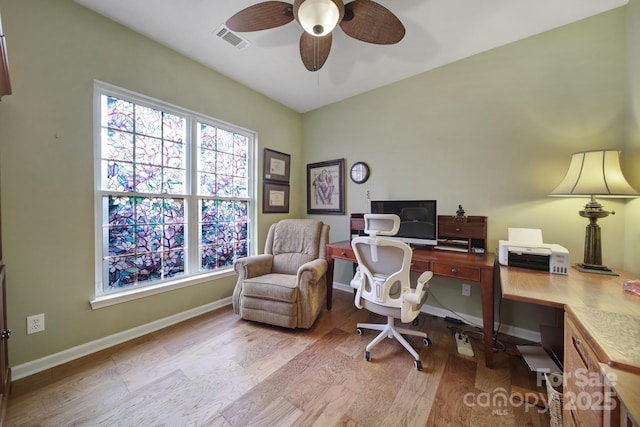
(514, 331)
(47, 362)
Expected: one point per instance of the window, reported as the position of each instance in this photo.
(173, 192)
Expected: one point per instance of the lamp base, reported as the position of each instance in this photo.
(598, 269)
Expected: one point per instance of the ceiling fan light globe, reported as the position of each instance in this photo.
(318, 17)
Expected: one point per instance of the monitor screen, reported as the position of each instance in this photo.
(418, 219)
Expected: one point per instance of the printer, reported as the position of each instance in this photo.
(526, 249)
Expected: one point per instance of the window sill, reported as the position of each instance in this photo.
(134, 294)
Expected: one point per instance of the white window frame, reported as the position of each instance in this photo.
(193, 275)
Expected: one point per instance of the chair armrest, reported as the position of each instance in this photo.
(253, 266)
(416, 295)
(312, 271)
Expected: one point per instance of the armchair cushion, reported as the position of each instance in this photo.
(295, 242)
(275, 286)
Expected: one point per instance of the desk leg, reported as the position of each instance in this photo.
(487, 315)
(329, 281)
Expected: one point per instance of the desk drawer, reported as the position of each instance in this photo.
(584, 385)
(343, 253)
(467, 230)
(456, 272)
(420, 266)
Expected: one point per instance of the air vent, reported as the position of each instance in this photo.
(232, 38)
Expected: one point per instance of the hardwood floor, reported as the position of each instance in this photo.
(219, 370)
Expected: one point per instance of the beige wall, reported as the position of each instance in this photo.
(494, 133)
(56, 50)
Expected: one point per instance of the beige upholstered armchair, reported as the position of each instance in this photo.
(285, 286)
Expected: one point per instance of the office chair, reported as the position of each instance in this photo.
(382, 282)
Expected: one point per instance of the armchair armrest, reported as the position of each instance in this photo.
(253, 266)
(416, 295)
(312, 271)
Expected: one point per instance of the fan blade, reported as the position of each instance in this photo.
(261, 16)
(314, 51)
(371, 22)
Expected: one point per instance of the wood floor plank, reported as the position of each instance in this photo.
(329, 408)
(219, 370)
(457, 380)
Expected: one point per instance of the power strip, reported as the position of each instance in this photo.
(464, 344)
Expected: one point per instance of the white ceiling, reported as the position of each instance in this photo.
(437, 32)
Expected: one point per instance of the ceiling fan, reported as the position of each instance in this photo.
(363, 20)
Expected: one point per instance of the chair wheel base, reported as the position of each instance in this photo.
(359, 331)
(426, 341)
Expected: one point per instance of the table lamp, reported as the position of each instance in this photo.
(594, 173)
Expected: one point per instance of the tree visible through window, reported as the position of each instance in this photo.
(154, 205)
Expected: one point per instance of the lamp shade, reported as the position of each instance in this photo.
(595, 173)
(319, 17)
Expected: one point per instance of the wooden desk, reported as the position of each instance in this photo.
(465, 267)
(602, 326)
(599, 291)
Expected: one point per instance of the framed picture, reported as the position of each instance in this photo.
(277, 166)
(325, 187)
(275, 198)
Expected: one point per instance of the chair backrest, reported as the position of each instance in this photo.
(294, 242)
(381, 224)
(384, 264)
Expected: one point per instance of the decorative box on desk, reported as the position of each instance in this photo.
(462, 234)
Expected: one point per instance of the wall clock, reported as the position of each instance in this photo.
(359, 172)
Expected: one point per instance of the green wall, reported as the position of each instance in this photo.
(493, 132)
(56, 49)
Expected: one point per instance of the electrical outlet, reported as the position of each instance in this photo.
(35, 323)
(466, 289)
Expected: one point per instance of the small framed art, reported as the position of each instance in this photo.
(325, 187)
(276, 166)
(275, 198)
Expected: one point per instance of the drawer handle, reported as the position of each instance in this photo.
(457, 230)
(343, 253)
(454, 270)
(578, 341)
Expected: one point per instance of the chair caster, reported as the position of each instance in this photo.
(418, 365)
(359, 331)
(415, 322)
(426, 341)
(367, 356)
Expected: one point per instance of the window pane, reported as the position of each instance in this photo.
(117, 114)
(141, 166)
(222, 162)
(223, 232)
(174, 154)
(117, 176)
(145, 240)
(148, 179)
(148, 150)
(148, 121)
(117, 145)
(173, 127)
